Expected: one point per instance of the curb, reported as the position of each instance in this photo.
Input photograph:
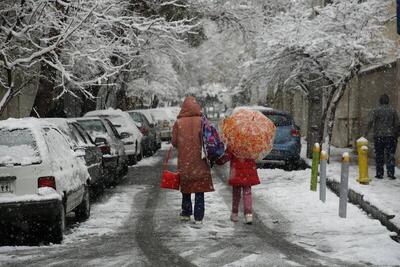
(358, 199)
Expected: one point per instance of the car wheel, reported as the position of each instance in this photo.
(57, 228)
(291, 165)
(140, 156)
(132, 160)
(82, 212)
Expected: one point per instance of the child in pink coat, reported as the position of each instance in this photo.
(243, 175)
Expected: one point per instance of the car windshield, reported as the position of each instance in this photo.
(135, 116)
(18, 147)
(279, 120)
(93, 126)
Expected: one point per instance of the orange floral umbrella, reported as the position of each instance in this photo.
(248, 134)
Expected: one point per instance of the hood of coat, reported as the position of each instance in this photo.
(190, 108)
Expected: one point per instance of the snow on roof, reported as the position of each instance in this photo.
(24, 123)
(259, 108)
(114, 116)
(110, 111)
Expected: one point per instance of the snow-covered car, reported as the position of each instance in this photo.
(149, 135)
(127, 129)
(154, 127)
(105, 136)
(41, 178)
(165, 121)
(78, 138)
(174, 111)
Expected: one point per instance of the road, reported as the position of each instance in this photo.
(137, 224)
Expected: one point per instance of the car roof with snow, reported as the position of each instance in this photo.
(128, 123)
(25, 123)
(263, 109)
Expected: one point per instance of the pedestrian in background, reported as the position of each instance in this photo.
(385, 124)
(195, 173)
(243, 175)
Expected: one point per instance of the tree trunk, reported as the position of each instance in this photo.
(314, 119)
(341, 89)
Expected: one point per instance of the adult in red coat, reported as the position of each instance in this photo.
(195, 174)
(243, 175)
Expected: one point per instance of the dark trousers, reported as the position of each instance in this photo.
(385, 146)
(198, 206)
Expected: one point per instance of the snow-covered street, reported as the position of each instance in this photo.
(137, 224)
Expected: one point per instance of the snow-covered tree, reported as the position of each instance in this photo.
(325, 46)
(83, 43)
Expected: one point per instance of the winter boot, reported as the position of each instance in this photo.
(249, 218)
(185, 218)
(234, 217)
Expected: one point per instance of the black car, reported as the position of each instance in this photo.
(105, 136)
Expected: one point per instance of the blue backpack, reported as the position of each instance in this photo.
(213, 147)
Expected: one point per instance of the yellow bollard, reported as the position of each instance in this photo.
(362, 150)
(314, 167)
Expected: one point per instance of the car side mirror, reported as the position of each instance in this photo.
(100, 141)
(124, 135)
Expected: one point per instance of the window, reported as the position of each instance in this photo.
(58, 146)
(114, 131)
(18, 146)
(93, 126)
(279, 120)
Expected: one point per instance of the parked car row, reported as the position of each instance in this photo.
(52, 166)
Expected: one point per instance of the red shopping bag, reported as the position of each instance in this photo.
(169, 180)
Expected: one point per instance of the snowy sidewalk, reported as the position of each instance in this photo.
(317, 226)
(383, 194)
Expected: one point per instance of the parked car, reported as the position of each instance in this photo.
(127, 129)
(287, 143)
(115, 161)
(78, 138)
(41, 178)
(165, 122)
(149, 135)
(154, 127)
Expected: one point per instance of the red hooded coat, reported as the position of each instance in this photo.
(194, 172)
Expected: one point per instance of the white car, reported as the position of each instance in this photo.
(165, 121)
(127, 129)
(41, 178)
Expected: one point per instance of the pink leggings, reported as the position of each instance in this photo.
(247, 201)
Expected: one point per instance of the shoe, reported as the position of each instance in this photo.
(234, 217)
(392, 177)
(185, 218)
(198, 222)
(379, 177)
(249, 218)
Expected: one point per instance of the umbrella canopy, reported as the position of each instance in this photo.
(248, 134)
